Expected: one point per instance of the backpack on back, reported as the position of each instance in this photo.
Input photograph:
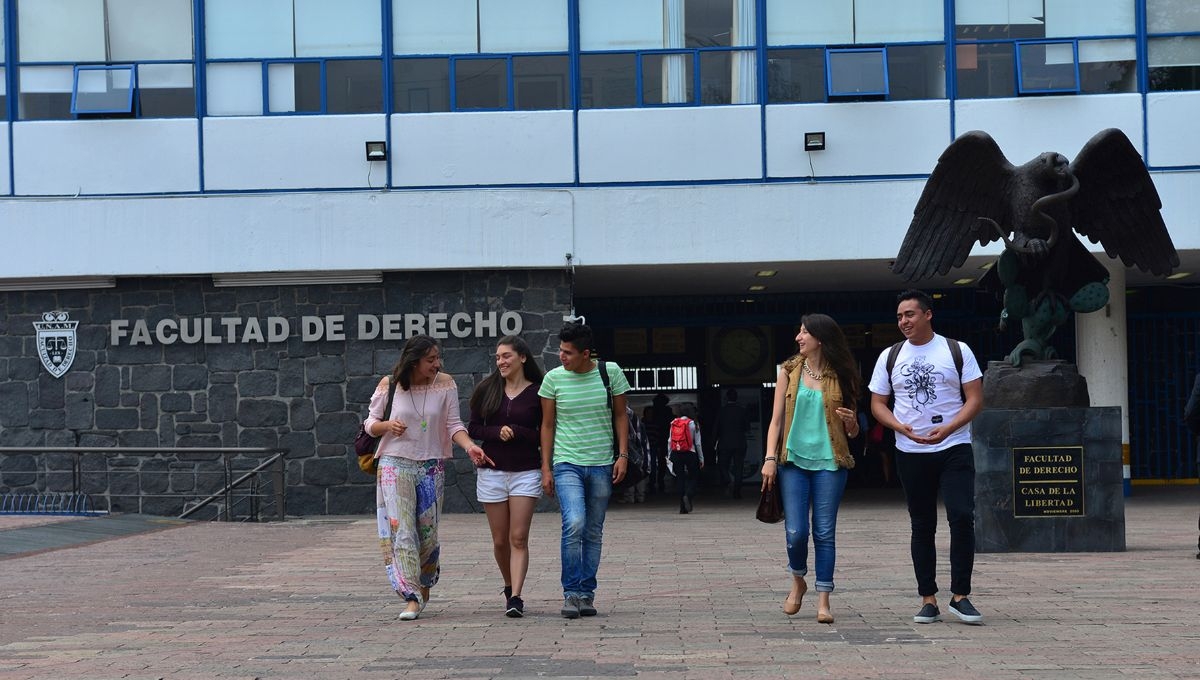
(681, 434)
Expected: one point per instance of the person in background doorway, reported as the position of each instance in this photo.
(578, 426)
(937, 395)
(658, 424)
(733, 424)
(414, 442)
(505, 415)
(808, 455)
(640, 455)
(686, 458)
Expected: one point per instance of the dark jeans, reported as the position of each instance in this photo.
(686, 465)
(952, 473)
(730, 461)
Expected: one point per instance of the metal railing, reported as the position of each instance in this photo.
(118, 476)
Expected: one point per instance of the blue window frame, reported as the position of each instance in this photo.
(1048, 67)
(525, 81)
(104, 90)
(856, 72)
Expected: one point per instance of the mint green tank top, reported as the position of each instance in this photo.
(808, 446)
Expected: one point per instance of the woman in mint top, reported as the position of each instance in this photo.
(812, 419)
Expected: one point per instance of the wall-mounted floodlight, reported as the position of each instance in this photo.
(814, 141)
(377, 151)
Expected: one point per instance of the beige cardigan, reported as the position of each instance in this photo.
(831, 394)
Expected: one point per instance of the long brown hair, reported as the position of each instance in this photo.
(489, 393)
(414, 350)
(835, 352)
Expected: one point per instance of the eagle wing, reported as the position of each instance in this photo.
(970, 181)
(1118, 206)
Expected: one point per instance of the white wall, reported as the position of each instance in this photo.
(291, 152)
(670, 144)
(869, 138)
(488, 228)
(288, 232)
(493, 147)
(105, 157)
(1171, 128)
(1028, 126)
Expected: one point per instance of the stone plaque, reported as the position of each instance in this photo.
(1048, 481)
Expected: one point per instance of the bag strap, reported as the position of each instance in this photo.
(604, 379)
(387, 410)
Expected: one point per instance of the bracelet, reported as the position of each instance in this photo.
(622, 455)
(770, 460)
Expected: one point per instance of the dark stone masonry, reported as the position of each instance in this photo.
(162, 383)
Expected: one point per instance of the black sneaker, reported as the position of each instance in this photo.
(570, 608)
(966, 611)
(928, 614)
(516, 607)
(586, 607)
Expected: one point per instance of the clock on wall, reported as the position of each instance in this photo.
(740, 351)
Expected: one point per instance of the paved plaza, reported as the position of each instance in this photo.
(680, 597)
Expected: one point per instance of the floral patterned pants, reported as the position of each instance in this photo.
(408, 494)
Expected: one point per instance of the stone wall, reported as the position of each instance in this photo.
(306, 396)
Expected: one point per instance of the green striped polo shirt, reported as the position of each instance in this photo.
(583, 426)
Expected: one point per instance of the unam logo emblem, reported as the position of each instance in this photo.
(56, 341)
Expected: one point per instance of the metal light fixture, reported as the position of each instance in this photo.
(377, 151)
(814, 141)
(302, 278)
(57, 283)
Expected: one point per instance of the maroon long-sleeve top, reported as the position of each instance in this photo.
(523, 414)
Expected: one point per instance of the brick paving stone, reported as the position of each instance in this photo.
(680, 598)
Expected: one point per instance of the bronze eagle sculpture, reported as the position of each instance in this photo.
(976, 196)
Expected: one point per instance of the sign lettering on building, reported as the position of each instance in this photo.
(331, 328)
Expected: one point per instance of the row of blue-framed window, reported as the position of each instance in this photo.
(313, 56)
(612, 80)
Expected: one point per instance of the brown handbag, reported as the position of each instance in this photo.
(770, 505)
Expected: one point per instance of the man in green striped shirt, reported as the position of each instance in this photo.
(578, 422)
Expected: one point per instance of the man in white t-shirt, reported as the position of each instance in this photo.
(936, 396)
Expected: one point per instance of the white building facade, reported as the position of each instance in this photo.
(595, 148)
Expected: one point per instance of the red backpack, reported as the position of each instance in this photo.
(681, 434)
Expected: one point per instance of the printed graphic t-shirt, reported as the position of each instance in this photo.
(927, 390)
(583, 430)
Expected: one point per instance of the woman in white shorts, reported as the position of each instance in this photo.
(505, 415)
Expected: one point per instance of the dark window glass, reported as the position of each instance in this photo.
(45, 106)
(916, 72)
(481, 84)
(667, 79)
(1000, 32)
(986, 71)
(541, 83)
(716, 78)
(167, 102)
(607, 81)
(1174, 78)
(1102, 77)
(354, 86)
(707, 23)
(1047, 66)
(308, 86)
(795, 76)
(856, 73)
(420, 85)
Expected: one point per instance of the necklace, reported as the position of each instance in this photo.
(424, 397)
(809, 371)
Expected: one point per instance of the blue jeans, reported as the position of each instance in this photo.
(821, 492)
(583, 492)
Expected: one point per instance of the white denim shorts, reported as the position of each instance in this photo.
(495, 486)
